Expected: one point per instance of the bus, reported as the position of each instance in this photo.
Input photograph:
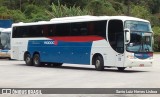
(5, 23)
(103, 41)
(5, 34)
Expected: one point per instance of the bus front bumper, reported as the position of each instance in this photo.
(138, 63)
(4, 55)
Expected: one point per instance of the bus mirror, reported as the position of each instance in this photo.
(128, 36)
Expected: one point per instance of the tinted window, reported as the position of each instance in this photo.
(116, 35)
(89, 28)
(27, 31)
(62, 29)
(67, 29)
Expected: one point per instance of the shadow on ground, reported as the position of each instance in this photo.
(86, 68)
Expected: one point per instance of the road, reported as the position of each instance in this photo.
(15, 74)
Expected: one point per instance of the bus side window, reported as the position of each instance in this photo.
(74, 32)
(74, 29)
(91, 28)
(79, 29)
(101, 28)
(36, 31)
(83, 29)
(63, 29)
(45, 30)
(15, 31)
(0, 41)
(51, 31)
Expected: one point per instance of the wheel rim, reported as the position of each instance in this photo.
(98, 63)
(28, 59)
(36, 60)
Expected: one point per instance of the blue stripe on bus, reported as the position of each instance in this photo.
(4, 51)
(143, 55)
(61, 52)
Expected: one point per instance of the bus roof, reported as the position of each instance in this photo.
(6, 30)
(125, 18)
(79, 19)
(1, 29)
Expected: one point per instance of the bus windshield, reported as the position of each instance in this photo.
(141, 36)
(5, 40)
(0, 41)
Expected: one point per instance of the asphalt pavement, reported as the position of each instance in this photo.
(15, 74)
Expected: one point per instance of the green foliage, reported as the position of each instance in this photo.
(141, 12)
(100, 7)
(35, 13)
(63, 11)
(17, 16)
(156, 31)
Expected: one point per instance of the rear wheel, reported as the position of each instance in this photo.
(36, 60)
(28, 60)
(121, 68)
(99, 63)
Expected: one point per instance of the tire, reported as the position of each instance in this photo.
(9, 58)
(99, 63)
(28, 60)
(36, 60)
(121, 68)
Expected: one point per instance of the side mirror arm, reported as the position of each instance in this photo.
(127, 36)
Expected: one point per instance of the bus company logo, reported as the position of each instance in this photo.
(6, 91)
(139, 55)
(51, 42)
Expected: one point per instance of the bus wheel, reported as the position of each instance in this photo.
(121, 68)
(99, 63)
(28, 60)
(36, 60)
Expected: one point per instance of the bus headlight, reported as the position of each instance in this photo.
(151, 57)
(130, 57)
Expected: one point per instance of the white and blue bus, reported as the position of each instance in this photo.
(5, 34)
(103, 41)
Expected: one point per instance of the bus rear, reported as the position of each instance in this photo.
(5, 42)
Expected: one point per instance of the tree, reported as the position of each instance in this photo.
(35, 13)
(100, 7)
(63, 11)
(17, 16)
(141, 12)
(156, 31)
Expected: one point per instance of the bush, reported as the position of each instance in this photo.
(101, 7)
(156, 31)
(63, 11)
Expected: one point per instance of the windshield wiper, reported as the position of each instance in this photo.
(144, 47)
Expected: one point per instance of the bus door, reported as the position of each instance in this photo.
(116, 40)
(120, 51)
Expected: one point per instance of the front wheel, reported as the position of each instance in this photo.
(99, 63)
(36, 60)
